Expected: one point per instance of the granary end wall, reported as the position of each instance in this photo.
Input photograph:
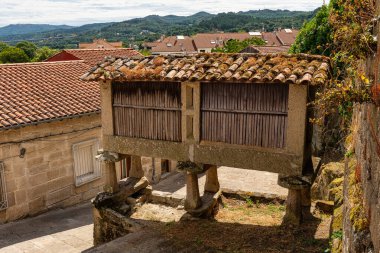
(44, 177)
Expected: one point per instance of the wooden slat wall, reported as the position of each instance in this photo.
(245, 114)
(148, 110)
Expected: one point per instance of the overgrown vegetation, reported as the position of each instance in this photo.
(342, 31)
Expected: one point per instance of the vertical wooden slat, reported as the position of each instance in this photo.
(244, 114)
(156, 123)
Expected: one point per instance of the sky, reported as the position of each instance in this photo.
(79, 12)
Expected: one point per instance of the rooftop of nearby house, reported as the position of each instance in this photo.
(175, 44)
(101, 44)
(266, 49)
(200, 41)
(92, 56)
(287, 36)
(252, 68)
(211, 40)
(33, 93)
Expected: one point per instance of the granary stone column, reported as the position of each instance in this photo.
(212, 181)
(112, 176)
(298, 200)
(136, 167)
(193, 199)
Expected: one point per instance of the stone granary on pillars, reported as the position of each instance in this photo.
(241, 110)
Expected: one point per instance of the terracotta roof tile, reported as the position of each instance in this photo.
(173, 44)
(93, 56)
(258, 68)
(35, 92)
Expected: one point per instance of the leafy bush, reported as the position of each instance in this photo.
(13, 55)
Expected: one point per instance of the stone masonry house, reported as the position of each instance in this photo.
(49, 135)
(91, 56)
(206, 110)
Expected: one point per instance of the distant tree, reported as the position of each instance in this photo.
(43, 53)
(13, 55)
(28, 47)
(235, 46)
(315, 37)
(145, 52)
(3, 45)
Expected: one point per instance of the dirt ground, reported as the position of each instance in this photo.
(245, 226)
(240, 226)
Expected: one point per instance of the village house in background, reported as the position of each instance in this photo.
(100, 44)
(49, 136)
(277, 41)
(91, 56)
(173, 45)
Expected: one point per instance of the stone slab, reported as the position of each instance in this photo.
(172, 190)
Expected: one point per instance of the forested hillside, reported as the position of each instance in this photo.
(135, 31)
(29, 28)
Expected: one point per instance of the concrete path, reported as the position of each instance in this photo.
(65, 230)
(172, 190)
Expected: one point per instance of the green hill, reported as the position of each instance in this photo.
(150, 28)
(29, 28)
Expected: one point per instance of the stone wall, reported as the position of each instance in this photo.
(44, 177)
(362, 184)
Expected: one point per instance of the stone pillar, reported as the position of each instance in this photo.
(212, 182)
(98, 233)
(298, 202)
(112, 176)
(193, 199)
(306, 203)
(293, 213)
(136, 167)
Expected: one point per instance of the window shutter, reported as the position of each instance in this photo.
(86, 167)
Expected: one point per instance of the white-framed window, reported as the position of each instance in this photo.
(3, 192)
(86, 167)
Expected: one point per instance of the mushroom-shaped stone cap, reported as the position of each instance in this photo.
(293, 182)
(191, 167)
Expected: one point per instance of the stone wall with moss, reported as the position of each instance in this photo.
(361, 224)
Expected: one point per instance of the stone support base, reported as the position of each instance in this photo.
(298, 202)
(112, 180)
(136, 167)
(293, 213)
(193, 199)
(212, 182)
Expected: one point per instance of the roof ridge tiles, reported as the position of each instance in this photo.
(264, 67)
(41, 63)
(97, 49)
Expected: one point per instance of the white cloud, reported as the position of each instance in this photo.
(78, 12)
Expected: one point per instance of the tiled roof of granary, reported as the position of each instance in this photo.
(216, 67)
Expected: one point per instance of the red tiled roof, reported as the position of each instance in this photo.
(32, 93)
(101, 44)
(216, 67)
(271, 39)
(287, 36)
(173, 44)
(266, 49)
(92, 56)
(204, 40)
